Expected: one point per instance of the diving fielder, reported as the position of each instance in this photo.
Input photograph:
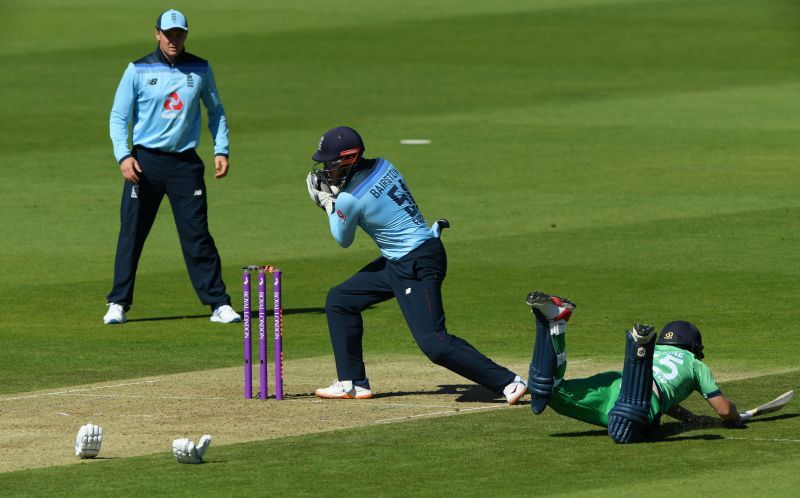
(657, 375)
(371, 193)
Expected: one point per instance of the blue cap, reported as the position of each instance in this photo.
(172, 19)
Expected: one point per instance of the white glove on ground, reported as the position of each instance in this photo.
(321, 193)
(185, 451)
(88, 441)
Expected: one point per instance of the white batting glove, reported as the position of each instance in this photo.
(185, 451)
(321, 193)
(88, 441)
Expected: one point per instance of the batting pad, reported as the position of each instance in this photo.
(627, 421)
(543, 366)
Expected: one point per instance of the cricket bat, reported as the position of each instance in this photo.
(773, 406)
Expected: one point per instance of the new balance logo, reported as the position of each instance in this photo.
(135, 192)
(153, 81)
(198, 193)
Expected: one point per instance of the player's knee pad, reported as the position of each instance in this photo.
(543, 366)
(627, 421)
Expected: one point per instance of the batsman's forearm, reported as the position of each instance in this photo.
(734, 418)
(726, 409)
(732, 414)
(680, 413)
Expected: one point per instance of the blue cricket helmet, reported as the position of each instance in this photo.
(684, 335)
(338, 150)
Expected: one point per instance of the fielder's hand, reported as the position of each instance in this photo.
(129, 169)
(220, 166)
(321, 193)
(185, 451)
(88, 441)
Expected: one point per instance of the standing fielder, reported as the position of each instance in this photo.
(371, 193)
(160, 95)
(656, 376)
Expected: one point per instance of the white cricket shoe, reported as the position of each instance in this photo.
(344, 389)
(115, 314)
(225, 314)
(515, 390)
(553, 308)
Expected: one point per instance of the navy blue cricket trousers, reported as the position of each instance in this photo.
(180, 177)
(416, 281)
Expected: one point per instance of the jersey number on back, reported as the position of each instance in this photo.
(404, 200)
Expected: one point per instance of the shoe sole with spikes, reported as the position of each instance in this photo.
(643, 333)
(553, 308)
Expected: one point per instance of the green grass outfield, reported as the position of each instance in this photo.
(637, 156)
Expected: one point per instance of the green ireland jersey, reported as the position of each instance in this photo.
(678, 373)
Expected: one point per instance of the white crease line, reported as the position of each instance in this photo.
(138, 396)
(769, 440)
(61, 393)
(375, 403)
(436, 414)
(378, 404)
(82, 392)
(408, 405)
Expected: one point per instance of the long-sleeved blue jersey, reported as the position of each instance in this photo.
(378, 200)
(163, 101)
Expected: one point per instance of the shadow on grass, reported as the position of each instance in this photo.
(466, 393)
(671, 431)
(782, 416)
(595, 432)
(657, 438)
(253, 314)
(705, 422)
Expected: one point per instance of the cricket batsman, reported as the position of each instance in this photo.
(372, 194)
(657, 375)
